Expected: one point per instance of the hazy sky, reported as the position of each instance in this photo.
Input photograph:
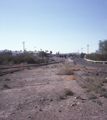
(57, 25)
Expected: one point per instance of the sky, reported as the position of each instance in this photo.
(63, 26)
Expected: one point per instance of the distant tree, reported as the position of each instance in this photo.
(50, 52)
(82, 55)
(101, 53)
(102, 47)
(42, 54)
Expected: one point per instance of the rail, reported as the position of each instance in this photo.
(85, 81)
(70, 60)
(7, 70)
(104, 62)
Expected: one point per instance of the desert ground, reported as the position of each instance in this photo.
(45, 93)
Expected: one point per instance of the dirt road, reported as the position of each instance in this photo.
(37, 94)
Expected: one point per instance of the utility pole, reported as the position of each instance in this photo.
(81, 50)
(23, 46)
(35, 49)
(87, 49)
(78, 53)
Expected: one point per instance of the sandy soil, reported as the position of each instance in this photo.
(34, 95)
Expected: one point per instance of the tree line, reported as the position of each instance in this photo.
(101, 53)
(6, 58)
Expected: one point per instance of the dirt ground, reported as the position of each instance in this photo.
(36, 94)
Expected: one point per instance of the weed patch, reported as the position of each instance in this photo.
(103, 94)
(91, 68)
(98, 83)
(5, 86)
(91, 96)
(7, 79)
(65, 71)
(72, 77)
(60, 97)
(68, 91)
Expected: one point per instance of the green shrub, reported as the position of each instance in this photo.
(91, 96)
(5, 85)
(103, 94)
(60, 97)
(7, 58)
(97, 57)
(68, 91)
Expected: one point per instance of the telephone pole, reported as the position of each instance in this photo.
(23, 46)
(81, 50)
(87, 49)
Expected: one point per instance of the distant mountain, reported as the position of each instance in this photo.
(69, 53)
(10, 50)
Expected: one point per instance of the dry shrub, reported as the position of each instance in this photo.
(79, 66)
(91, 96)
(68, 91)
(60, 97)
(24, 63)
(75, 69)
(97, 82)
(65, 71)
(25, 69)
(91, 68)
(72, 77)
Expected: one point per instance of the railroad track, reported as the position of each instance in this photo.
(12, 69)
(84, 81)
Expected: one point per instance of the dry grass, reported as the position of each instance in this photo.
(78, 66)
(75, 69)
(68, 91)
(25, 69)
(91, 96)
(72, 77)
(4, 86)
(98, 83)
(65, 71)
(91, 68)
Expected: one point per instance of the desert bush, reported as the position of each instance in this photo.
(7, 58)
(103, 94)
(104, 80)
(5, 86)
(60, 97)
(7, 79)
(65, 71)
(68, 91)
(96, 56)
(96, 81)
(98, 102)
(91, 96)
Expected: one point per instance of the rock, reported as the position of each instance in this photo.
(51, 100)
(36, 106)
(40, 109)
(72, 105)
(60, 111)
(76, 97)
(97, 73)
